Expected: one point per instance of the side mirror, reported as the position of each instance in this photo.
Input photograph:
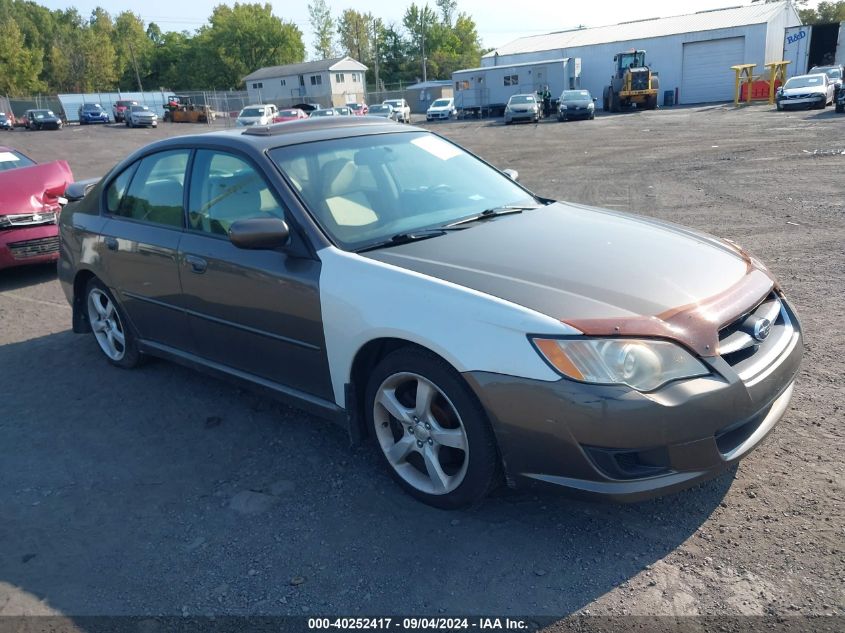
(595, 99)
(512, 174)
(259, 233)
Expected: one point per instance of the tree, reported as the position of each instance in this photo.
(354, 30)
(21, 65)
(419, 22)
(244, 38)
(133, 50)
(447, 10)
(322, 24)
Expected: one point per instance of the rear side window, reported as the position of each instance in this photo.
(156, 191)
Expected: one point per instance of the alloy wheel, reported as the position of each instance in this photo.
(421, 433)
(106, 324)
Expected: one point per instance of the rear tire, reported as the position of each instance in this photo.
(110, 327)
(431, 430)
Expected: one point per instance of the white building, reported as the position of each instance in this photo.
(329, 82)
(692, 54)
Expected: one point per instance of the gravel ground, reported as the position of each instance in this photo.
(162, 491)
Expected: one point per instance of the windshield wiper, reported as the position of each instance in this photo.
(405, 238)
(494, 212)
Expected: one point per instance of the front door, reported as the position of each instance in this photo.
(141, 240)
(256, 311)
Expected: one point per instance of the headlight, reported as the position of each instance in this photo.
(591, 106)
(641, 364)
(563, 107)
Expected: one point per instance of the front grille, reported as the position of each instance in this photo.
(27, 219)
(34, 248)
(639, 80)
(749, 353)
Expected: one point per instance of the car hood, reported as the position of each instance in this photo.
(576, 102)
(603, 272)
(803, 91)
(439, 108)
(520, 107)
(29, 189)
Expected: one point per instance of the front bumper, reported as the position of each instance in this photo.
(803, 102)
(518, 115)
(580, 113)
(617, 443)
(30, 245)
(431, 116)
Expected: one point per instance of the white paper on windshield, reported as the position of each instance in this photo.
(436, 147)
(8, 157)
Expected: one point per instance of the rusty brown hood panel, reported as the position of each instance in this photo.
(603, 272)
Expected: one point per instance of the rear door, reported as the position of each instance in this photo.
(255, 311)
(796, 49)
(145, 207)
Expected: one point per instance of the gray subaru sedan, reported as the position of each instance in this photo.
(389, 280)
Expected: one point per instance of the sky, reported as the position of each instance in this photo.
(498, 22)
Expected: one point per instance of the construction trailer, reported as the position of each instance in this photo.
(485, 91)
(814, 45)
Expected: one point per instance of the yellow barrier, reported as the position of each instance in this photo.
(777, 70)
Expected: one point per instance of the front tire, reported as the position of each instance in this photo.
(110, 327)
(432, 432)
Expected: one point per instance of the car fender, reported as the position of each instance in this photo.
(363, 300)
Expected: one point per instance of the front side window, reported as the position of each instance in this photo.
(155, 194)
(363, 190)
(224, 189)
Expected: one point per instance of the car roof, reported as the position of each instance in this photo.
(267, 137)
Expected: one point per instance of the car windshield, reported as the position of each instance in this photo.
(394, 103)
(440, 103)
(92, 107)
(522, 99)
(323, 113)
(380, 108)
(576, 95)
(125, 103)
(833, 72)
(364, 190)
(287, 113)
(808, 81)
(2, 117)
(40, 114)
(10, 159)
(139, 108)
(258, 112)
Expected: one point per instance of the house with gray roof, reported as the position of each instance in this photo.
(329, 82)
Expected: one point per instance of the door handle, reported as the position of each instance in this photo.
(198, 264)
(111, 243)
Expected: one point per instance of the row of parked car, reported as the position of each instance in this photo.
(268, 113)
(819, 88)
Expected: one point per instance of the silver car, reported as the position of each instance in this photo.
(805, 91)
(522, 108)
(141, 116)
(384, 110)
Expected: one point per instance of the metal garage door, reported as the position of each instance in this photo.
(707, 74)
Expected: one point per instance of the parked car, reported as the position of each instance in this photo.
(307, 107)
(6, 124)
(834, 73)
(840, 102)
(576, 104)
(403, 287)
(359, 109)
(30, 202)
(402, 109)
(344, 111)
(441, 109)
(323, 112)
(522, 107)
(805, 91)
(291, 114)
(42, 120)
(140, 116)
(92, 113)
(261, 114)
(120, 108)
(383, 110)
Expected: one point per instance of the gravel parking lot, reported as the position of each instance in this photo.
(162, 491)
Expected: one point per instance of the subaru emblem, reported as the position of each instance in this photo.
(762, 329)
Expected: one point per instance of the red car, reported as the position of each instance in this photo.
(358, 109)
(30, 202)
(289, 115)
(121, 108)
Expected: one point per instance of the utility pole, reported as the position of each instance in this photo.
(422, 36)
(375, 52)
(135, 65)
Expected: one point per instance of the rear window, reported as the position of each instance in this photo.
(12, 160)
